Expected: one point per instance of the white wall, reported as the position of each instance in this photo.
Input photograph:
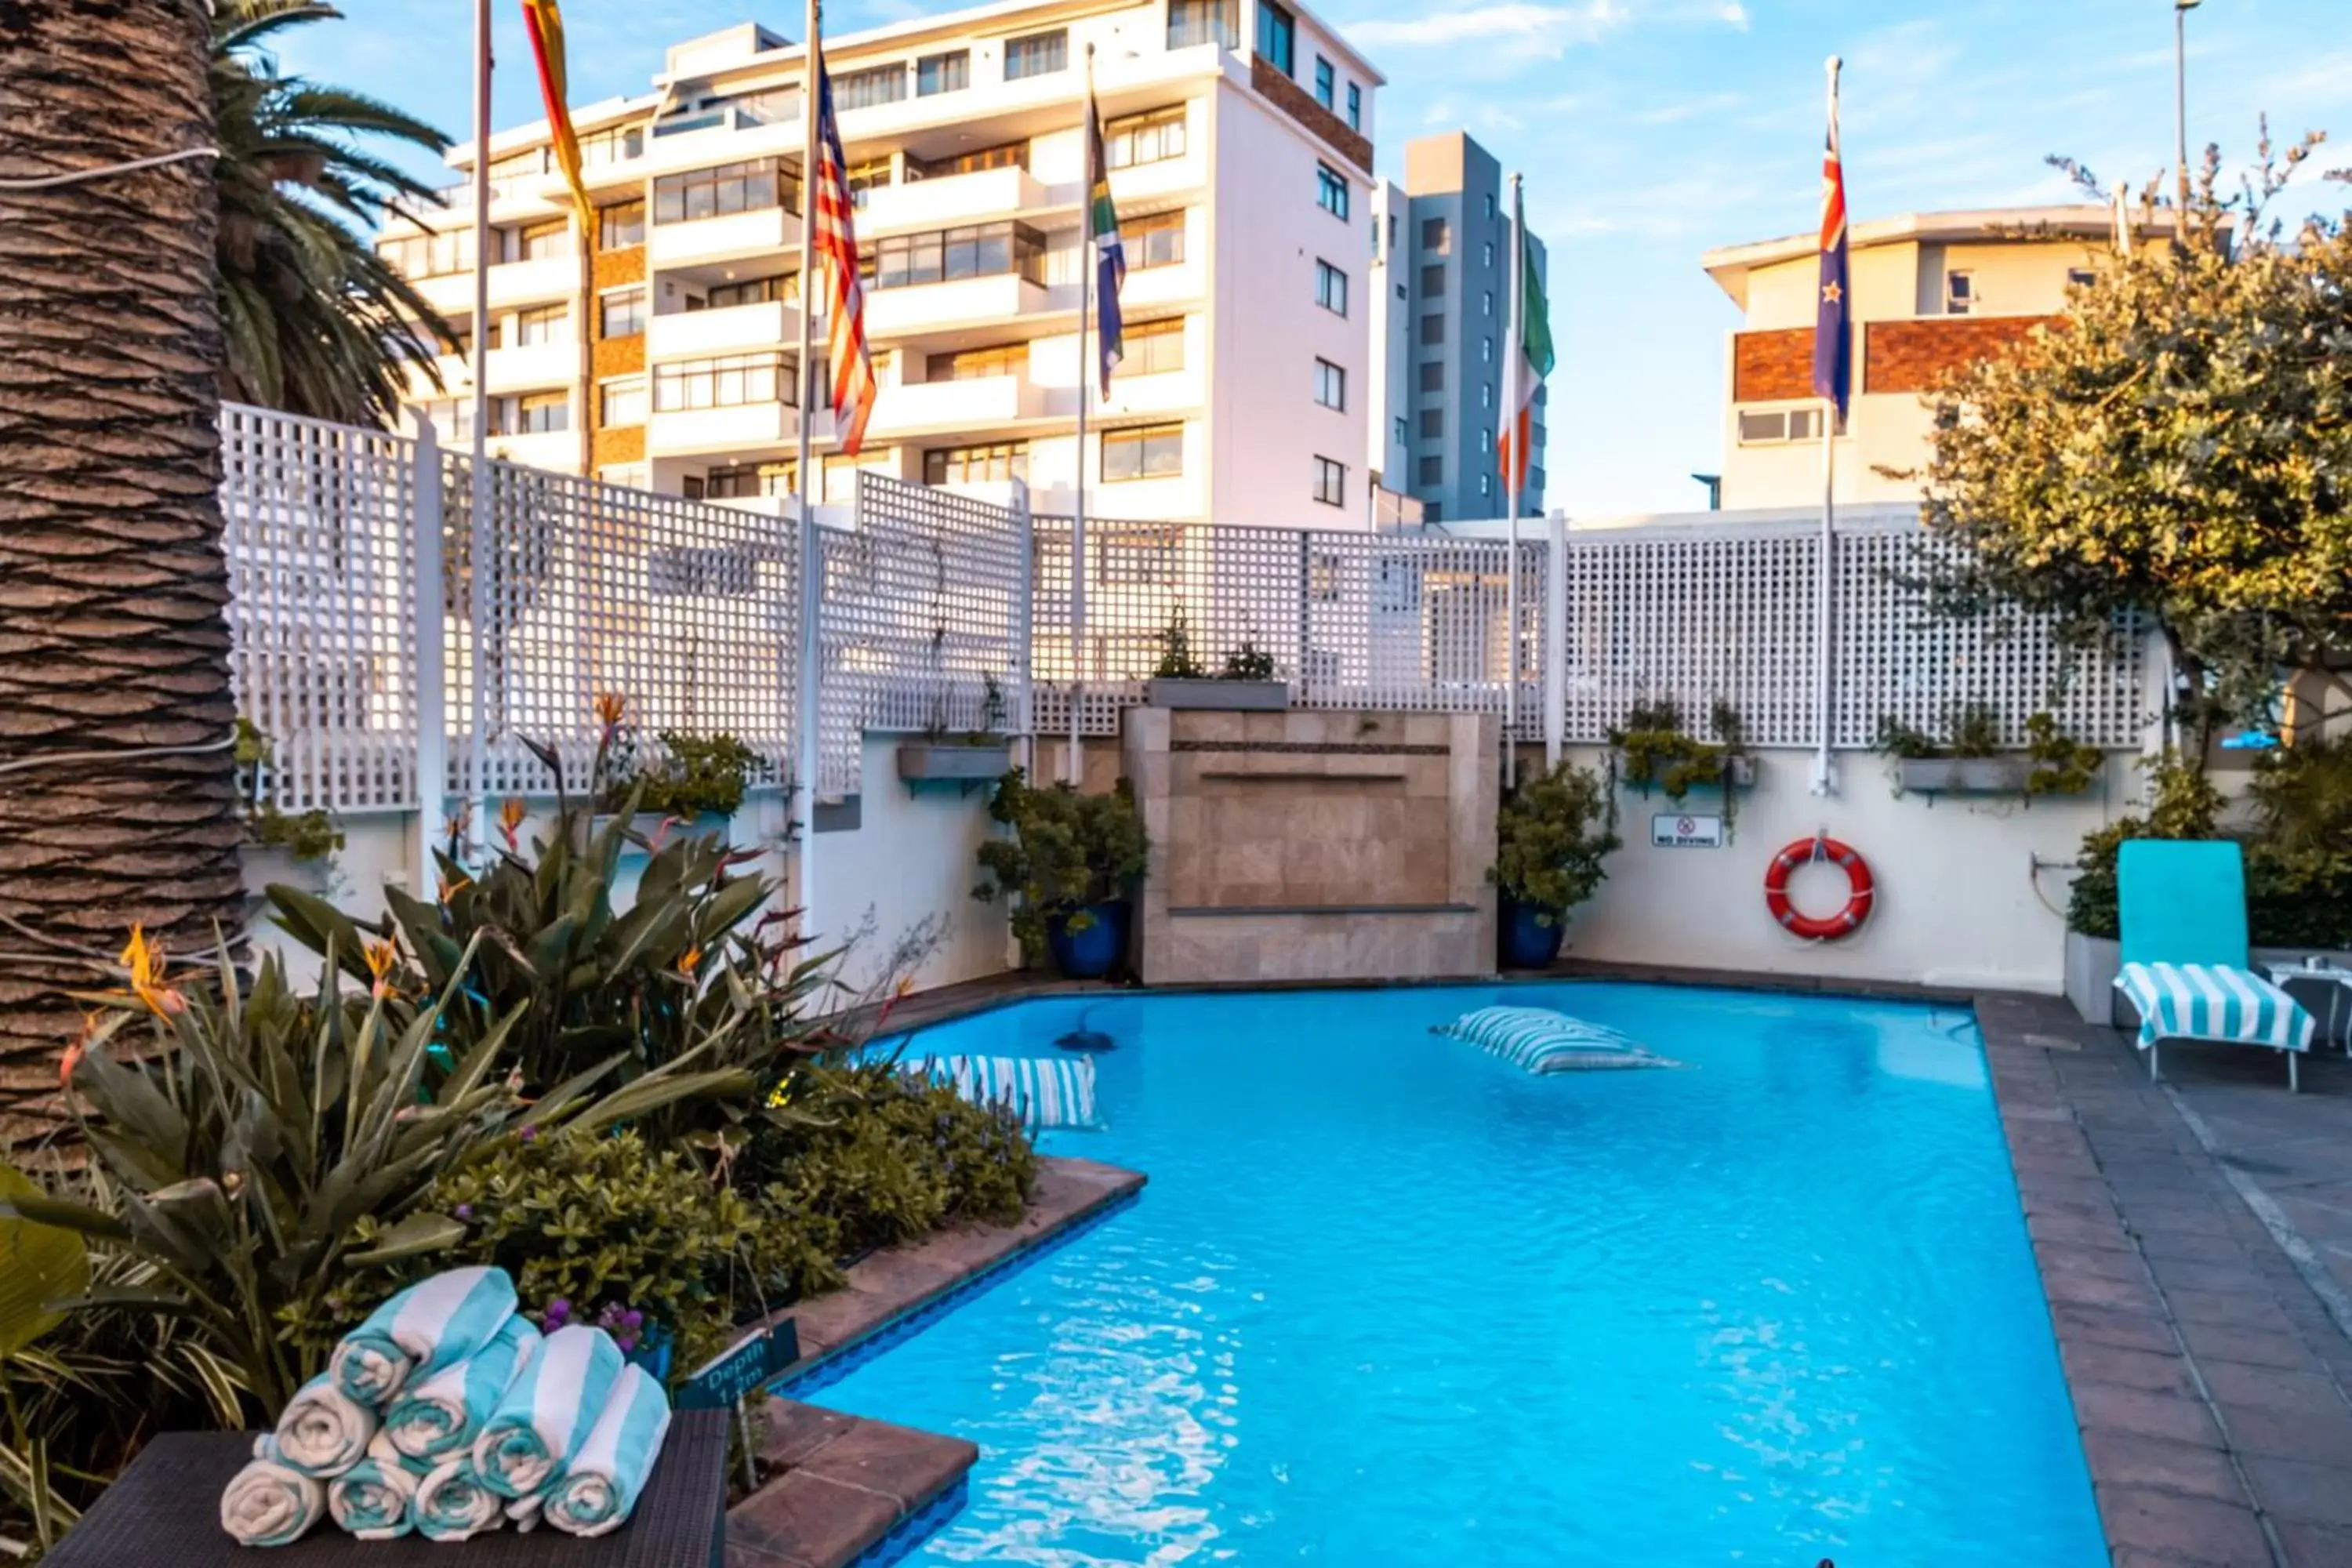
(1956, 903)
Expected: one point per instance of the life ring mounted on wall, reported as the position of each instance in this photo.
(1860, 889)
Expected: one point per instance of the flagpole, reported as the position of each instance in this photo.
(806, 689)
(1825, 765)
(479, 493)
(1514, 463)
(1074, 764)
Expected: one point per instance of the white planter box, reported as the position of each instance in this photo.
(1740, 773)
(1963, 776)
(921, 762)
(2091, 965)
(1230, 696)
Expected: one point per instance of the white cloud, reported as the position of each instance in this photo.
(1548, 30)
(1733, 13)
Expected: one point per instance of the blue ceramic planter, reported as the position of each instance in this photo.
(1531, 934)
(1087, 950)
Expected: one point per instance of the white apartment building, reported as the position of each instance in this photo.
(1239, 135)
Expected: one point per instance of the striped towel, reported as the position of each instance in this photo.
(1537, 1040)
(432, 1324)
(547, 1412)
(445, 1411)
(267, 1504)
(371, 1498)
(452, 1504)
(322, 1431)
(2214, 1001)
(603, 1482)
(1044, 1091)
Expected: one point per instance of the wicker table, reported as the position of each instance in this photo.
(166, 1510)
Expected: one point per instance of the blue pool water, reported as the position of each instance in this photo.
(1389, 1300)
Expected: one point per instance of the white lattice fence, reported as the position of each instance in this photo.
(923, 619)
(317, 536)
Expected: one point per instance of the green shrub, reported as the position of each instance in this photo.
(1068, 851)
(2057, 763)
(2183, 804)
(1656, 750)
(1247, 662)
(1551, 835)
(1177, 661)
(2299, 866)
(696, 775)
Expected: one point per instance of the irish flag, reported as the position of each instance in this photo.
(1534, 363)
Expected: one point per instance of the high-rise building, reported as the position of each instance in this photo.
(1444, 269)
(1238, 134)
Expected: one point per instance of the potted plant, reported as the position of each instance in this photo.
(1651, 749)
(1551, 835)
(281, 848)
(1970, 761)
(1065, 870)
(2182, 804)
(1245, 682)
(971, 757)
(693, 783)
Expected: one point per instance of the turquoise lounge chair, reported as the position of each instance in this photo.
(2184, 950)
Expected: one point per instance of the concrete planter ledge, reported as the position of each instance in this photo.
(841, 1484)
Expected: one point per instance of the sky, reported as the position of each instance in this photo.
(1647, 131)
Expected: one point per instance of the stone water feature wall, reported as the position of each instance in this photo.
(1331, 844)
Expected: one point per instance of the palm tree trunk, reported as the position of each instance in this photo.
(117, 803)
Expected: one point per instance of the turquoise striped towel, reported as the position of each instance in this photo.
(547, 1412)
(602, 1483)
(1540, 1040)
(2214, 1001)
(432, 1324)
(445, 1411)
(371, 1498)
(267, 1504)
(452, 1504)
(322, 1431)
(1045, 1092)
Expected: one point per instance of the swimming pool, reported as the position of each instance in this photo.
(1389, 1300)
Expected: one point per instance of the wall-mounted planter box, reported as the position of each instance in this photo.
(1740, 773)
(1963, 776)
(950, 761)
(1232, 696)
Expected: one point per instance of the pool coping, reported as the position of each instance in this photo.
(854, 1490)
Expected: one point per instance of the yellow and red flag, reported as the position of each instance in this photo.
(546, 25)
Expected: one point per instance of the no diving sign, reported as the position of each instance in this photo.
(1670, 830)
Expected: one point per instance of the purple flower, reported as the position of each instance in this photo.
(633, 1319)
(465, 1211)
(627, 1342)
(558, 1313)
(530, 1133)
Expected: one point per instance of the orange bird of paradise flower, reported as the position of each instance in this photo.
(611, 709)
(511, 811)
(381, 956)
(146, 962)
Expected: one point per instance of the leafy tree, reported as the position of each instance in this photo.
(1552, 834)
(315, 322)
(2180, 447)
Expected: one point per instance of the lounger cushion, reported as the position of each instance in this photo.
(1540, 1040)
(2214, 1001)
(1045, 1092)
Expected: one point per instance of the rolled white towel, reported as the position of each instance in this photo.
(323, 1432)
(370, 1499)
(452, 1503)
(267, 1504)
(525, 1512)
(440, 1415)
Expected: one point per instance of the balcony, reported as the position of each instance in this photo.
(982, 403)
(1176, 283)
(687, 334)
(951, 199)
(534, 365)
(934, 307)
(760, 232)
(744, 426)
(534, 282)
(555, 449)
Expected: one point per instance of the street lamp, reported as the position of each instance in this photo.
(2180, 9)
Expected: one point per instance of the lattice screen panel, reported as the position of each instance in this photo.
(686, 608)
(923, 607)
(320, 575)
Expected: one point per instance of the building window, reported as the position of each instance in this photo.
(949, 72)
(976, 465)
(1355, 107)
(1959, 293)
(628, 475)
(1331, 385)
(784, 285)
(978, 364)
(618, 145)
(1276, 31)
(1431, 511)
(622, 313)
(546, 324)
(751, 186)
(1490, 206)
(1486, 302)
(1004, 155)
(1486, 437)
(622, 401)
(1327, 84)
(540, 241)
(2080, 277)
(1437, 236)
(1769, 426)
(864, 89)
(620, 225)
(1331, 190)
(1143, 452)
(1486, 253)
(1330, 288)
(540, 413)
(874, 173)
(429, 255)
(1433, 423)
(1485, 395)
(730, 381)
(1431, 470)
(1402, 434)
(1039, 54)
(1433, 329)
(1154, 347)
(1486, 484)
(943, 256)
(1144, 138)
(1331, 482)
(1433, 375)
(745, 480)
(1192, 22)
(1154, 241)
(1485, 350)
(1433, 281)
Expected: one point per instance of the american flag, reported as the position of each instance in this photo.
(1833, 325)
(836, 242)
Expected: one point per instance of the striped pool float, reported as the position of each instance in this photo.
(1538, 1040)
(1045, 1092)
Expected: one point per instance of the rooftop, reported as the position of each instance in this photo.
(1730, 265)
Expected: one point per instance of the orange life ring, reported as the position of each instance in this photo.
(1860, 889)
